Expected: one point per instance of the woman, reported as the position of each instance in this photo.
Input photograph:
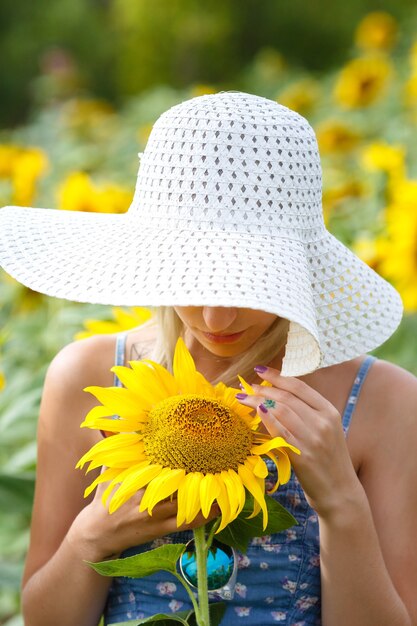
(225, 236)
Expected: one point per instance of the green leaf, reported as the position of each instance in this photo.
(216, 609)
(162, 558)
(239, 532)
(161, 619)
(16, 493)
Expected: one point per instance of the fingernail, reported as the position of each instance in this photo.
(260, 369)
(263, 408)
(241, 396)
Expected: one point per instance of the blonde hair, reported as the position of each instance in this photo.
(170, 328)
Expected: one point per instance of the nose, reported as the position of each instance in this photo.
(219, 318)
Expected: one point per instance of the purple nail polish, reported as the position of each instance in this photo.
(260, 369)
(263, 408)
(241, 396)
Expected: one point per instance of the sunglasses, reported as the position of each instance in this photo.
(221, 568)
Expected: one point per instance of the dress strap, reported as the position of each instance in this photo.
(119, 354)
(356, 388)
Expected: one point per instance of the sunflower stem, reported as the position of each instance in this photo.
(212, 532)
(201, 550)
(190, 593)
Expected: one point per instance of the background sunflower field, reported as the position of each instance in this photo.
(86, 80)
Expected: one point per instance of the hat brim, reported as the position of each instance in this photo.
(117, 260)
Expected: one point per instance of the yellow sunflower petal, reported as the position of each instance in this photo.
(110, 443)
(95, 413)
(137, 480)
(258, 466)
(273, 458)
(118, 400)
(151, 391)
(184, 369)
(284, 467)
(209, 490)
(165, 378)
(275, 443)
(105, 476)
(234, 492)
(129, 378)
(115, 425)
(189, 498)
(247, 388)
(161, 487)
(240, 490)
(252, 485)
(224, 504)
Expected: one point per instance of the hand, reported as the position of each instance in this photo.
(99, 535)
(311, 423)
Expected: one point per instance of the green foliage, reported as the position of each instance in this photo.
(162, 558)
(263, 48)
(238, 533)
(216, 610)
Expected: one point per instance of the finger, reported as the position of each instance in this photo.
(294, 385)
(282, 413)
(281, 427)
(278, 400)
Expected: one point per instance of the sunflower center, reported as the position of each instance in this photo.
(197, 434)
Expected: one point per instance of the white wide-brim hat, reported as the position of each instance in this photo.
(227, 212)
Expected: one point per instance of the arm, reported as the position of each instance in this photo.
(58, 587)
(367, 548)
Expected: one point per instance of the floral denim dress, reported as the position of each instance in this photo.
(278, 580)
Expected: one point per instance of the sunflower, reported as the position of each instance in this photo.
(362, 81)
(179, 434)
(124, 319)
(376, 31)
(398, 252)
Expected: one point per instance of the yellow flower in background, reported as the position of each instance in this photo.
(362, 81)
(143, 133)
(9, 154)
(368, 248)
(23, 166)
(202, 90)
(124, 319)
(334, 136)
(78, 193)
(29, 167)
(384, 157)
(301, 96)
(376, 31)
(340, 192)
(2, 381)
(399, 250)
(174, 435)
(87, 112)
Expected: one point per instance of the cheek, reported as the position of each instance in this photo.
(187, 315)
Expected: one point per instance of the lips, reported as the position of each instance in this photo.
(218, 338)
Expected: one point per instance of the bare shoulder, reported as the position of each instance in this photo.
(87, 360)
(390, 392)
(387, 413)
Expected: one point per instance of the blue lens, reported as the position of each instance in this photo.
(220, 562)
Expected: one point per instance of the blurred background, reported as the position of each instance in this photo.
(82, 81)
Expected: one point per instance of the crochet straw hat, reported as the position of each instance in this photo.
(227, 212)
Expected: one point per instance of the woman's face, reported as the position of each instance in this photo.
(225, 331)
